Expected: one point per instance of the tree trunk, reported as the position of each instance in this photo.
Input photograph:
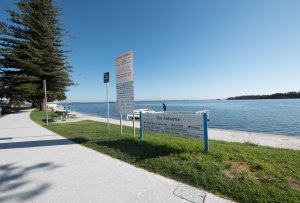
(42, 104)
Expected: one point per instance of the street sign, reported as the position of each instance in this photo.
(188, 124)
(125, 97)
(124, 83)
(124, 67)
(106, 77)
(181, 124)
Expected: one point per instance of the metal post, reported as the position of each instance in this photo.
(107, 96)
(141, 127)
(133, 122)
(121, 130)
(205, 132)
(45, 92)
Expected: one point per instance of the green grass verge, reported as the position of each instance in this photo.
(242, 172)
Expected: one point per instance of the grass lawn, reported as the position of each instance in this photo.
(242, 172)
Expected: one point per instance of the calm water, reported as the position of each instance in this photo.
(268, 116)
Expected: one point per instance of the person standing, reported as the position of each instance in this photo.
(164, 107)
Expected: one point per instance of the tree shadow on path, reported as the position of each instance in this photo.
(16, 186)
(35, 143)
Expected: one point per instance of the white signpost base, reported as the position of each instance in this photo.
(121, 127)
(133, 125)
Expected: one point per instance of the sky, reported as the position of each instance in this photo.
(195, 49)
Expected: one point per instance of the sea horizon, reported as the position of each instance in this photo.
(274, 116)
(170, 100)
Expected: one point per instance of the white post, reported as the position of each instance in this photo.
(45, 92)
(121, 130)
(133, 122)
(107, 96)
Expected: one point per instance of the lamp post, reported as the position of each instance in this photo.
(45, 94)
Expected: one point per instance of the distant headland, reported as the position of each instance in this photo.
(288, 95)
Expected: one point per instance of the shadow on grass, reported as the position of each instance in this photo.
(50, 120)
(138, 150)
(79, 140)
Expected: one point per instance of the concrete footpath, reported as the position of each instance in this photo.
(37, 165)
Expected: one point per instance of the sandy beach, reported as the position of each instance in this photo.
(263, 139)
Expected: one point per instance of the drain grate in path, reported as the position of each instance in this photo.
(189, 193)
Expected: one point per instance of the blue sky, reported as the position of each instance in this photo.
(196, 49)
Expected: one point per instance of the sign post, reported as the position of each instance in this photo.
(45, 92)
(124, 84)
(121, 128)
(205, 132)
(133, 126)
(106, 80)
(141, 126)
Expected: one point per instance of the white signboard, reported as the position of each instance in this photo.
(181, 124)
(124, 80)
(125, 97)
(124, 67)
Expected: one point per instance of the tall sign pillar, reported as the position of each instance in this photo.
(124, 84)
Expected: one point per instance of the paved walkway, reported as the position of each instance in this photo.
(270, 140)
(37, 165)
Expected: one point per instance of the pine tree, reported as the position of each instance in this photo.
(31, 51)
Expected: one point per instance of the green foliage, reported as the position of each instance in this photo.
(242, 172)
(16, 103)
(288, 95)
(31, 51)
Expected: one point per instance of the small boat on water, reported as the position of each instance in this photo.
(137, 113)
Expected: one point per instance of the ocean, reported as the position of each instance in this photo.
(274, 116)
